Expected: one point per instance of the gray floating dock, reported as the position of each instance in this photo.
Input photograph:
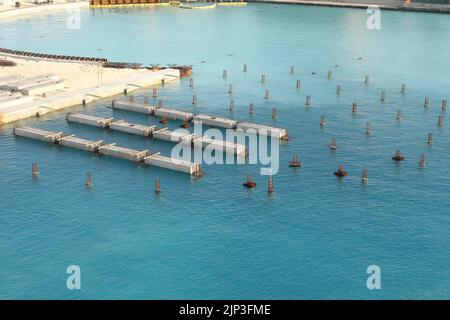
(263, 130)
(215, 121)
(79, 143)
(133, 107)
(220, 145)
(173, 136)
(122, 153)
(38, 134)
(132, 128)
(173, 114)
(174, 164)
(89, 120)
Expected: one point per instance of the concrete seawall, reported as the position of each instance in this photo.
(398, 5)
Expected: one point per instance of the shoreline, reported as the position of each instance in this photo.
(23, 12)
(12, 13)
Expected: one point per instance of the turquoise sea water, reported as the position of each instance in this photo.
(211, 238)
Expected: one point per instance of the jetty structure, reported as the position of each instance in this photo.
(160, 134)
(209, 120)
(112, 150)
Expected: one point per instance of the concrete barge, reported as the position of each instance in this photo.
(111, 150)
(122, 153)
(79, 143)
(132, 128)
(88, 120)
(217, 122)
(133, 107)
(173, 136)
(174, 164)
(38, 134)
(173, 114)
(264, 130)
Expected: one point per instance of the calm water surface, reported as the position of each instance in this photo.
(210, 238)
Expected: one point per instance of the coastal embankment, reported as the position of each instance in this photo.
(10, 12)
(398, 5)
(33, 86)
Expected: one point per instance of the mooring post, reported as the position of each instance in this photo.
(403, 88)
(323, 121)
(194, 99)
(383, 96)
(430, 138)
(88, 183)
(270, 188)
(292, 70)
(34, 169)
(298, 84)
(191, 82)
(422, 160)
(131, 98)
(245, 68)
(154, 92)
(426, 103)
(224, 74)
(125, 92)
(250, 183)
(365, 175)
(440, 121)
(160, 103)
(330, 74)
(354, 107)
(366, 80)
(368, 128)
(230, 89)
(251, 109)
(308, 101)
(274, 113)
(263, 78)
(231, 107)
(444, 104)
(338, 89)
(266, 94)
(145, 100)
(157, 186)
(399, 115)
(398, 156)
(333, 144)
